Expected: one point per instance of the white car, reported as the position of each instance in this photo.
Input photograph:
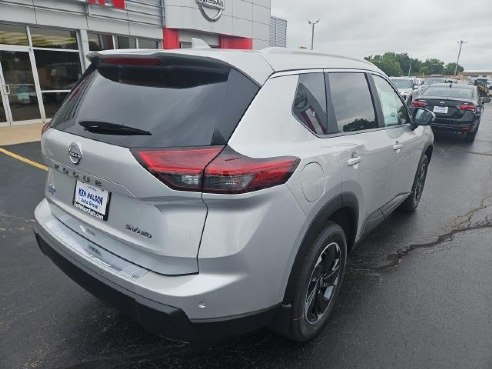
(407, 88)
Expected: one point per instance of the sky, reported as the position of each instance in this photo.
(422, 28)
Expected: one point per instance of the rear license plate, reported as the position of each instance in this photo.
(441, 109)
(91, 200)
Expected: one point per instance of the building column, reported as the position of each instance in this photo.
(232, 42)
(170, 38)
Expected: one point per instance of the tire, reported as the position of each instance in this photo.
(323, 263)
(470, 136)
(412, 201)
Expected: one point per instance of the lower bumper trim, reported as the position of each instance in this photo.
(163, 320)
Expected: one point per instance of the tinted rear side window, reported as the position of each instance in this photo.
(310, 102)
(177, 104)
(352, 102)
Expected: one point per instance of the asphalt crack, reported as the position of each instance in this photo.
(462, 223)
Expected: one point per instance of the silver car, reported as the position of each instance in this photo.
(208, 193)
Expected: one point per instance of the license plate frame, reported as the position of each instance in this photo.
(91, 200)
(441, 109)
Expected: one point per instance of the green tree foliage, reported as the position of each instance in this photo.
(387, 63)
(394, 64)
(449, 68)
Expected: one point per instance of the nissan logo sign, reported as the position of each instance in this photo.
(75, 153)
(211, 9)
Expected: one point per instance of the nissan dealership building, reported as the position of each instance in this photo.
(44, 43)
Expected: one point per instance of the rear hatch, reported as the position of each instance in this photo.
(124, 105)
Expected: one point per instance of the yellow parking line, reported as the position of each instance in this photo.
(23, 159)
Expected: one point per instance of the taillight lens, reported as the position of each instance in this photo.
(215, 169)
(180, 168)
(469, 107)
(232, 172)
(418, 104)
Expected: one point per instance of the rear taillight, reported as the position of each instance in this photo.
(215, 169)
(418, 104)
(468, 107)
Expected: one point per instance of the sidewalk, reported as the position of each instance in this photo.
(20, 134)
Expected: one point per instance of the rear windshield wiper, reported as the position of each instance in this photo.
(112, 128)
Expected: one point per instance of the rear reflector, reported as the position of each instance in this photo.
(468, 107)
(215, 169)
(419, 104)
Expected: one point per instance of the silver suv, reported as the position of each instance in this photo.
(208, 193)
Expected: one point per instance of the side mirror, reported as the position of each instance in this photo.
(423, 117)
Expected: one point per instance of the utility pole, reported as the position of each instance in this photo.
(460, 42)
(410, 68)
(312, 31)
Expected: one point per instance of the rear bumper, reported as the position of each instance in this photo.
(453, 126)
(164, 320)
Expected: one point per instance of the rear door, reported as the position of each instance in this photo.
(368, 154)
(407, 147)
(123, 107)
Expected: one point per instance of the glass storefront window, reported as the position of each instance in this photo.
(99, 41)
(57, 70)
(53, 38)
(52, 102)
(13, 34)
(147, 43)
(123, 42)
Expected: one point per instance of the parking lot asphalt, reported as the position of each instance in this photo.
(417, 294)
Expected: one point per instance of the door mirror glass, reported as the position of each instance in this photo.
(423, 117)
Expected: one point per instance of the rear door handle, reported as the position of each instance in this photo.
(354, 161)
(397, 147)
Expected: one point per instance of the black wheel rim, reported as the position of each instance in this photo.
(323, 282)
(419, 185)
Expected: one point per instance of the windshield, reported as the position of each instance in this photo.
(402, 83)
(453, 92)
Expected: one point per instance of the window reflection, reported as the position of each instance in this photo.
(53, 38)
(57, 70)
(13, 35)
(99, 41)
(352, 102)
(52, 102)
(123, 42)
(146, 43)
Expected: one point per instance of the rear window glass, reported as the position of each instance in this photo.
(178, 104)
(459, 93)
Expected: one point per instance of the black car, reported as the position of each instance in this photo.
(457, 107)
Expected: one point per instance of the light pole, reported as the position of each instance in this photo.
(461, 42)
(312, 31)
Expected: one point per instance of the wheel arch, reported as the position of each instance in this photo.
(343, 210)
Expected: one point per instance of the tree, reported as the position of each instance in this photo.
(394, 64)
(434, 66)
(387, 63)
(449, 69)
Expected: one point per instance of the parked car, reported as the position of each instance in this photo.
(208, 193)
(407, 88)
(458, 108)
